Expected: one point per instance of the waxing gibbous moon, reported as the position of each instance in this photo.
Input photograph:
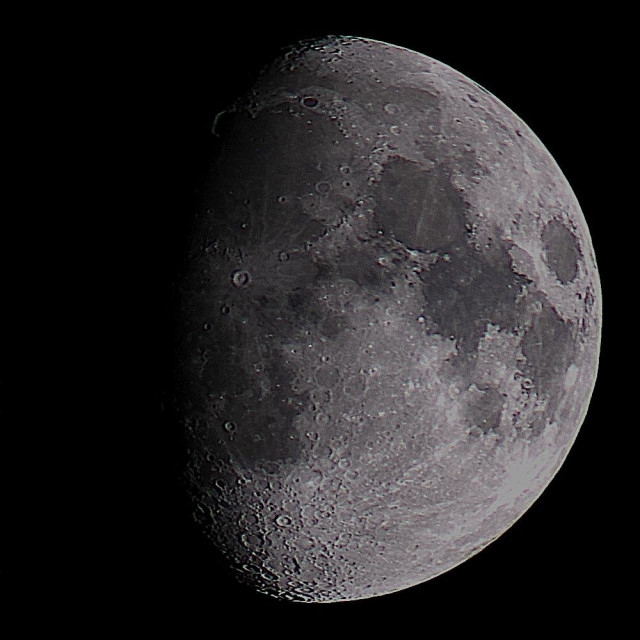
(389, 323)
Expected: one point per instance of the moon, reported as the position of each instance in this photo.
(389, 324)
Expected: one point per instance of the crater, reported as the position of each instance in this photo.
(561, 251)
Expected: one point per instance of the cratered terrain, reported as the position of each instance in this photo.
(389, 323)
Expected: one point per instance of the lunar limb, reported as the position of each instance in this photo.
(389, 325)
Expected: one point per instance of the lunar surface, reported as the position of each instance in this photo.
(389, 324)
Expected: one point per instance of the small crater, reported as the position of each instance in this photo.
(283, 521)
(240, 278)
(322, 188)
(332, 326)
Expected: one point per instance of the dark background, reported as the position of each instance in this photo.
(123, 544)
(558, 551)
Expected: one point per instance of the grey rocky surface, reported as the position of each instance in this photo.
(390, 324)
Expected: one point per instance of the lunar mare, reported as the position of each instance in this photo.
(389, 324)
